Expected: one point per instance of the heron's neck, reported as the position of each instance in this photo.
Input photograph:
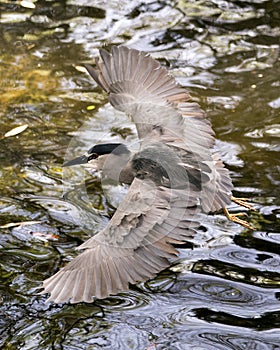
(127, 174)
(117, 167)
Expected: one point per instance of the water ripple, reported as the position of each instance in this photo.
(124, 301)
(213, 338)
(269, 236)
(227, 296)
(247, 258)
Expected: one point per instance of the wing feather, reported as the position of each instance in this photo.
(108, 266)
(159, 212)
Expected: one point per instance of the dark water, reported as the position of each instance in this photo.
(225, 293)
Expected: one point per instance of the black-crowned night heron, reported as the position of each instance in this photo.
(173, 178)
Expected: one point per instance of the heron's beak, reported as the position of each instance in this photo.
(76, 161)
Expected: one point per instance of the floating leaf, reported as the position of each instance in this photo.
(80, 68)
(16, 130)
(21, 223)
(45, 236)
(27, 4)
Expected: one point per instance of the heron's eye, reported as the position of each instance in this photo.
(92, 156)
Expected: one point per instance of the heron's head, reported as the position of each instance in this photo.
(96, 155)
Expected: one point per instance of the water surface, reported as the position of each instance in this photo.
(224, 294)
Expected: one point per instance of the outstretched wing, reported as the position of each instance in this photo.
(135, 245)
(138, 241)
(139, 86)
(160, 108)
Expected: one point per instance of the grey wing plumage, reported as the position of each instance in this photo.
(161, 208)
(139, 86)
(135, 245)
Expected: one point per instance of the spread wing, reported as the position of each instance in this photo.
(140, 87)
(157, 212)
(135, 245)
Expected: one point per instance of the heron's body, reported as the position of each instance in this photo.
(173, 178)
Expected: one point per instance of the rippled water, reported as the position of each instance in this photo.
(224, 294)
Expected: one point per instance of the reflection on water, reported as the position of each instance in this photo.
(225, 293)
